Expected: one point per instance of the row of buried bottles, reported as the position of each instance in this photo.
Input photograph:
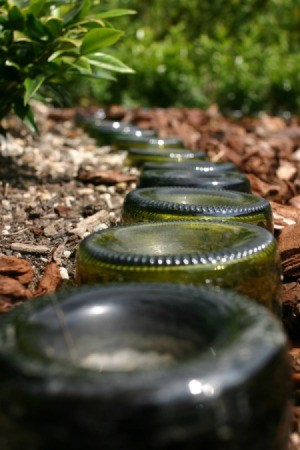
(188, 223)
(154, 354)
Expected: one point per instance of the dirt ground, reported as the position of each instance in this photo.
(58, 187)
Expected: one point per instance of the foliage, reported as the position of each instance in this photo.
(243, 55)
(46, 43)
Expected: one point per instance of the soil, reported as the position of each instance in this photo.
(60, 186)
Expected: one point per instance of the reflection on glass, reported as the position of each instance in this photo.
(196, 387)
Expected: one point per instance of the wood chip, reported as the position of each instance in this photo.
(295, 202)
(287, 171)
(18, 268)
(291, 309)
(284, 215)
(5, 306)
(9, 287)
(87, 225)
(289, 247)
(50, 280)
(64, 211)
(279, 191)
(291, 292)
(105, 176)
(29, 248)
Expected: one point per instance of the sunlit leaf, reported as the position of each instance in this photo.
(91, 23)
(115, 13)
(54, 25)
(31, 87)
(100, 75)
(108, 62)
(36, 7)
(99, 38)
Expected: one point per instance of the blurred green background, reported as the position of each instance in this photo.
(243, 55)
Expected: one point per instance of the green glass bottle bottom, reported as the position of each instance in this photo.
(236, 256)
(179, 203)
(128, 366)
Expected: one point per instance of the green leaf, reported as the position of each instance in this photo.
(108, 62)
(79, 11)
(67, 52)
(31, 87)
(35, 28)
(115, 13)
(85, 9)
(67, 43)
(54, 26)
(36, 7)
(99, 38)
(90, 23)
(16, 18)
(82, 63)
(25, 113)
(100, 75)
(58, 93)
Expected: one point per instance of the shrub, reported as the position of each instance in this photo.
(44, 44)
(241, 55)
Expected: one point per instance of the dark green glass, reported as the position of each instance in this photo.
(200, 166)
(138, 157)
(192, 178)
(143, 366)
(126, 142)
(177, 203)
(106, 131)
(232, 255)
(88, 120)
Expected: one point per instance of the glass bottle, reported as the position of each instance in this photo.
(143, 366)
(106, 132)
(234, 181)
(227, 254)
(138, 157)
(178, 203)
(200, 166)
(126, 142)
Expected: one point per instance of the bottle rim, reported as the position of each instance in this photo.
(262, 241)
(150, 140)
(137, 198)
(191, 178)
(201, 166)
(166, 152)
(261, 335)
(187, 172)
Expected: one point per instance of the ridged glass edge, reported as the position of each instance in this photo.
(93, 251)
(135, 198)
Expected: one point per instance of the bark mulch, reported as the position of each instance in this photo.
(60, 186)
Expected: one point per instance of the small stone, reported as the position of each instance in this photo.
(50, 230)
(85, 191)
(6, 205)
(64, 273)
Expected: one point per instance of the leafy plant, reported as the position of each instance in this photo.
(242, 55)
(46, 43)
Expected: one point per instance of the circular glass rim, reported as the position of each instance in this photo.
(263, 241)
(138, 199)
(261, 334)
